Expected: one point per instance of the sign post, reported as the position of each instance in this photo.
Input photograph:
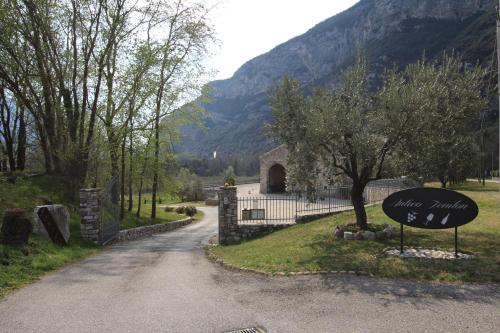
(430, 208)
(401, 238)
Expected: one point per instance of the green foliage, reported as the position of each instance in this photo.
(180, 210)
(440, 143)
(352, 227)
(163, 216)
(244, 165)
(190, 211)
(349, 131)
(229, 176)
(421, 120)
(19, 266)
(190, 186)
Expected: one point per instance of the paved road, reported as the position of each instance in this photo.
(165, 284)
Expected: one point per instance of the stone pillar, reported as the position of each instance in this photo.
(264, 174)
(228, 215)
(90, 214)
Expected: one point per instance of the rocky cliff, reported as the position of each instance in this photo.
(391, 32)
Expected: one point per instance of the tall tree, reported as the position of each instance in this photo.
(440, 144)
(345, 131)
(12, 130)
(187, 37)
(55, 57)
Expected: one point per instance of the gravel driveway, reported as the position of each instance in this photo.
(165, 284)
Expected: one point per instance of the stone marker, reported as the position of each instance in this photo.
(369, 235)
(52, 222)
(380, 235)
(16, 228)
(338, 233)
(348, 235)
(390, 232)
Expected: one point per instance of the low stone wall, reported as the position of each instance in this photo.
(229, 230)
(249, 231)
(149, 230)
(309, 218)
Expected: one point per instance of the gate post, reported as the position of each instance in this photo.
(228, 215)
(90, 214)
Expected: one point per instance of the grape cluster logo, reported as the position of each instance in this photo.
(412, 216)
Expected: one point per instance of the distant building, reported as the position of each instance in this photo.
(273, 170)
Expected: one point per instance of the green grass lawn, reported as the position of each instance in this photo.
(311, 247)
(132, 221)
(19, 266)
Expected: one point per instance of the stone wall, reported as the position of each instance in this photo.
(90, 214)
(229, 230)
(149, 230)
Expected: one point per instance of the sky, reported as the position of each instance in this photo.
(248, 28)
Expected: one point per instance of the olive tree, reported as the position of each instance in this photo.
(349, 131)
(440, 144)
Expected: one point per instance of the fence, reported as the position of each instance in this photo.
(110, 213)
(287, 208)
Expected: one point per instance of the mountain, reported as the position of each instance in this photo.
(391, 32)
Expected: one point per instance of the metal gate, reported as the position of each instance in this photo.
(110, 213)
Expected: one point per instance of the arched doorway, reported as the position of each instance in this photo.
(277, 179)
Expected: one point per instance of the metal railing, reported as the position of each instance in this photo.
(287, 208)
(269, 209)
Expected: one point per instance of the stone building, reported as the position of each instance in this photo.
(273, 170)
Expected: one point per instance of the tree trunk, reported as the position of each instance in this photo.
(3, 159)
(443, 181)
(156, 163)
(113, 143)
(21, 140)
(139, 202)
(359, 205)
(8, 129)
(10, 154)
(130, 171)
(156, 167)
(122, 181)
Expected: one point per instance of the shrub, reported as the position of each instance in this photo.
(229, 177)
(191, 211)
(180, 210)
(190, 187)
(169, 209)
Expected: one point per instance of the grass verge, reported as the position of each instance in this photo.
(22, 265)
(311, 247)
(162, 217)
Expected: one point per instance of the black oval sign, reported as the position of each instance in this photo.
(430, 208)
